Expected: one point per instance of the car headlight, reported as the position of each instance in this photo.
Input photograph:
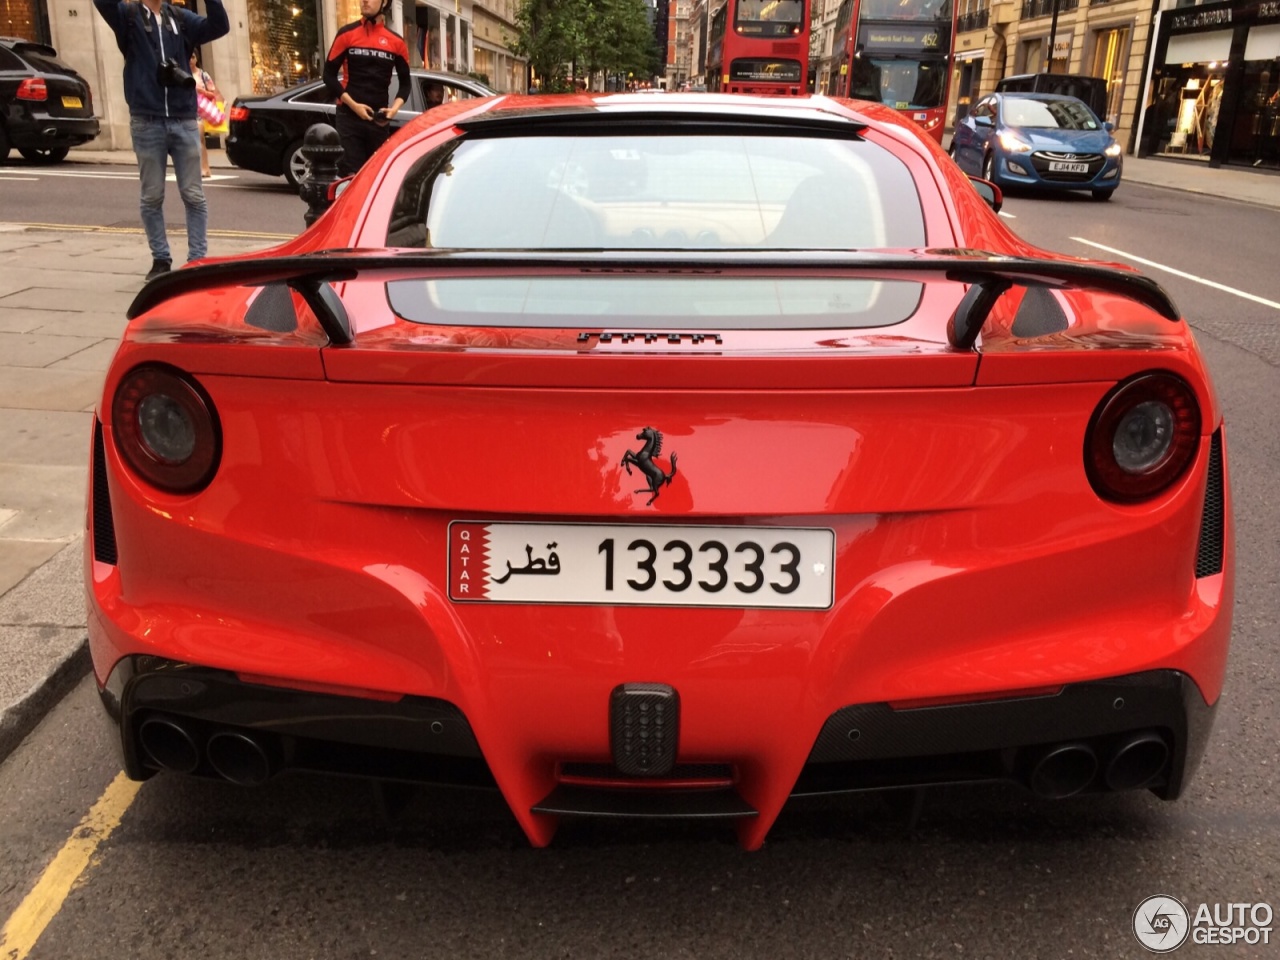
(1013, 144)
(1113, 150)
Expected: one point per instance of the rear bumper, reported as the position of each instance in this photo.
(860, 748)
(252, 155)
(42, 130)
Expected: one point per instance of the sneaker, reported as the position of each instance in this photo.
(158, 267)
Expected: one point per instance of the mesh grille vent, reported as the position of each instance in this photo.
(104, 529)
(1209, 553)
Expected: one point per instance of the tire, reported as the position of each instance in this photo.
(295, 164)
(989, 168)
(1103, 194)
(4, 144)
(44, 154)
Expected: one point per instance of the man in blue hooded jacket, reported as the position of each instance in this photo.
(157, 39)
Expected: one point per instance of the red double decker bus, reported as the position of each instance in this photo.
(759, 46)
(897, 52)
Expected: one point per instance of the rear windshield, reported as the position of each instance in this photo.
(692, 301)
(1050, 114)
(41, 60)
(671, 192)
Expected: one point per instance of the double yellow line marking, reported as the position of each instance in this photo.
(42, 904)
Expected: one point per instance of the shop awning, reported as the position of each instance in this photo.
(969, 55)
(1199, 47)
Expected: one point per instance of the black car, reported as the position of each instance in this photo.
(266, 132)
(45, 106)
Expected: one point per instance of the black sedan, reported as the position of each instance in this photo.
(45, 106)
(266, 132)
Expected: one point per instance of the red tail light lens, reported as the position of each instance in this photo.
(1142, 438)
(238, 113)
(166, 428)
(33, 88)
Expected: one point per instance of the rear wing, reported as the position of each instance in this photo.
(988, 275)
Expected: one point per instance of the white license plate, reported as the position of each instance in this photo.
(1063, 166)
(72, 103)
(641, 564)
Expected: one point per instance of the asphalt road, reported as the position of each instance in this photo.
(310, 867)
(107, 195)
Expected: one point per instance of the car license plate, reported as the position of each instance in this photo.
(72, 103)
(1064, 166)
(642, 564)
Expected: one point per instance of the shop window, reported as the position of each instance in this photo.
(1110, 56)
(451, 42)
(1256, 140)
(284, 44)
(347, 11)
(20, 18)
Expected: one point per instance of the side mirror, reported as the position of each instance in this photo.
(1109, 126)
(989, 192)
(337, 187)
(982, 121)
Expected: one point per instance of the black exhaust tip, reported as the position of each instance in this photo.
(1137, 761)
(168, 745)
(1062, 770)
(239, 758)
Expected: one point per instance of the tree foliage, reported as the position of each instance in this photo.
(563, 39)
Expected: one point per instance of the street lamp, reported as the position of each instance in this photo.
(1053, 36)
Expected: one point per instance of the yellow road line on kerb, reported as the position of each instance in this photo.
(42, 904)
(90, 228)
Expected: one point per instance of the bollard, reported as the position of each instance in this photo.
(323, 150)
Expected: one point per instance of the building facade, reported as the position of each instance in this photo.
(1213, 84)
(273, 45)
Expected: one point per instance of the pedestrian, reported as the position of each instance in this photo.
(157, 40)
(208, 106)
(366, 53)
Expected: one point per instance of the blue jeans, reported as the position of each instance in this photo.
(155, 139)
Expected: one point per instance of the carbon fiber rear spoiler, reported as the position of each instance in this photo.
(989, 275)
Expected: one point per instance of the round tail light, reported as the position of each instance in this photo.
(1143, 436)
(166, 428)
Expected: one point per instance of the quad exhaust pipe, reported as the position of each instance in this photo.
(1064, 769)
(239, 757)
(1138, 760)
(169, 745)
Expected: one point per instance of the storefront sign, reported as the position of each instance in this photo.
(1198, 19)
(1269, 10)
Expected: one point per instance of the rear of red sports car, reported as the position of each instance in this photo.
(664, 460)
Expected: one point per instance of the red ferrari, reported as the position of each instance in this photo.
(661, 457)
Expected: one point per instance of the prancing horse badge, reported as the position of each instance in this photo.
(644, 461)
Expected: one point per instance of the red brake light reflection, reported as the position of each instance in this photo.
(1143, 436)
(166, 429)
(33, 88)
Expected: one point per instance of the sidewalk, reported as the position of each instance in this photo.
(62, 300)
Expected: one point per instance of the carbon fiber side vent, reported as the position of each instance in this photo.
(644, 726)
(104, 529)
(1209, 553)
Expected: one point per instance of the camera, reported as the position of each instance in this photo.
(171, 74)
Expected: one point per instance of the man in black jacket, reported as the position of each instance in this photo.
(157, 39)
(366, 53)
